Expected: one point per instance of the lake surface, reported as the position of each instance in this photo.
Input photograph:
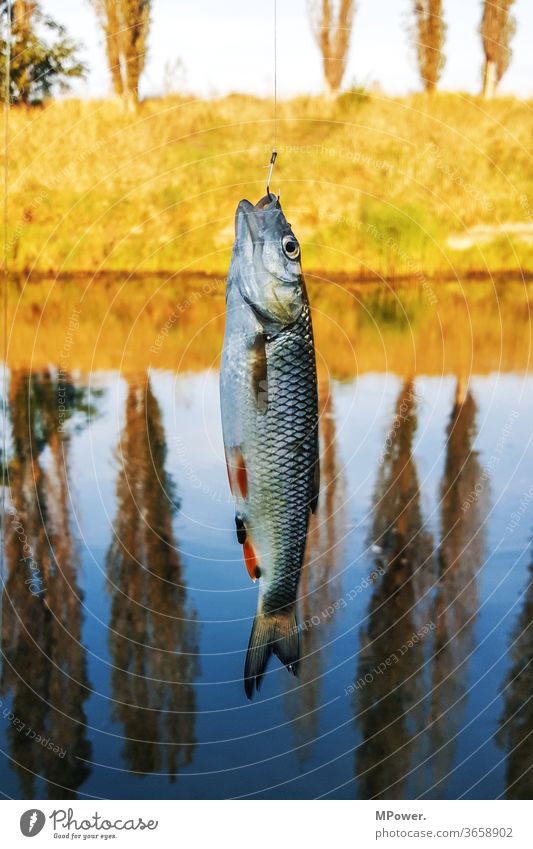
(127, 607)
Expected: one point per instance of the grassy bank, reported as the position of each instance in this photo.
(373, 186)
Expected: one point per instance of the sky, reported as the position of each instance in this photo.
(227, 45)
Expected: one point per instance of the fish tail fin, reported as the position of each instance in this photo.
(272, 633)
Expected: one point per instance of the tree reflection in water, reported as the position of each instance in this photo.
(44, 670)
(390, 707)
(464, 497)
(153, 634)
(516, 723)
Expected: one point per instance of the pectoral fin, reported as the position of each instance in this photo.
(237, 474)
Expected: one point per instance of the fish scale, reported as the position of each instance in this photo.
(282, 456)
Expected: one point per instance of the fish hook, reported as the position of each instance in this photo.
(270, 166)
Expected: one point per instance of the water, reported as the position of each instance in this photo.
(127, 607)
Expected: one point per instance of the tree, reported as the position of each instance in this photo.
(126, 24)
(332, 28)
(430, 32)
(108, 13)
(38, 66)
(497, 29)
(136, 23)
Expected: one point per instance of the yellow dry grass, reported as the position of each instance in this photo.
(372, 185)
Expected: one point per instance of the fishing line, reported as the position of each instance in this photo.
(7, 98)
(275, 99)
(275, 76)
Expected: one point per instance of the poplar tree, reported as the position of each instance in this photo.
(332, 27)
(125, 24)
(429, 36)
(497, 29)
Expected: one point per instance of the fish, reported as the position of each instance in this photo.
(269, 408)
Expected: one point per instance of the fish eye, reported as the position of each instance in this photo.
(290, 246)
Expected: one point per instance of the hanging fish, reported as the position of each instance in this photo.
(268, 390)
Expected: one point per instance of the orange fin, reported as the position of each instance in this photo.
(237, 474)
(228, 469)
(242, 475)
(250, 558)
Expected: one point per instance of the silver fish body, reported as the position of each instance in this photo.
(270, 422)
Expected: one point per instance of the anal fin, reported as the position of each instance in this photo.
(251, 561)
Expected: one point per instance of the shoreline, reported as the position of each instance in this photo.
(512, 275)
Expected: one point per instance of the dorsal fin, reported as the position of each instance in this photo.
(313, 504)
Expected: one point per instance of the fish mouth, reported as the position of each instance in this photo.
(253, 215)
(268, 200)
(268, 203)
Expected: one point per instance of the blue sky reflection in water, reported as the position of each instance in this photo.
(415, 600)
